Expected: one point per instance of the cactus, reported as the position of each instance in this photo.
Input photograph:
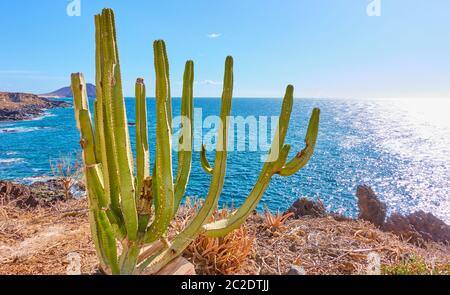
(135, 209)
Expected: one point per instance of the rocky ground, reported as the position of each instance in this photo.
(39, 238)
(23, 106)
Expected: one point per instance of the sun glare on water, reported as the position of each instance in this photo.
(418, 131)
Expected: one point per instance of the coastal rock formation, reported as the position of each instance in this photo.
(50, 190)
(305, 207)
(370, 207)
(418, 227)
(18, 193)
(22, 106)
(43, 193)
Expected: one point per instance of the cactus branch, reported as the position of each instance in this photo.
(163, 193)
(302, 158)
(143, 181)
(186, 135)
(276, 159)
(102, 229)
(204, 161)
(103, 128)
(121, 146)
(161, 258)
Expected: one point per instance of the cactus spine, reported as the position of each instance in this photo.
(136, 210)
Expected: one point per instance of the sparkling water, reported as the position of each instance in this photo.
(399, 147)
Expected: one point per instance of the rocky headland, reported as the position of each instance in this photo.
(24, 106)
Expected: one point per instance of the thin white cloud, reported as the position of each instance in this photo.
(214, 35)
(208, 82)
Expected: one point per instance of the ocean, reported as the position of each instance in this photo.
(401, 148)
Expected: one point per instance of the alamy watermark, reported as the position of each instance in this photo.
(74, 8)
(373, 264)
(255, 134)
(374, 8)
(74, 266)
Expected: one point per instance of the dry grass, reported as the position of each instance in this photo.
(326, 246)
(39, 241)
(226, 255)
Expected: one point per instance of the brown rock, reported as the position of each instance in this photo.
(42, 193)
(370, 207)
(23, 106)
(48, 191)
(305, 207)
(400, 226)
(418, 227)
(16, 193)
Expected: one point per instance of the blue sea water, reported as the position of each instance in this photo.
(399, 147)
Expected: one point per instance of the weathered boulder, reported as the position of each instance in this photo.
(18, 194)
(418, 227)
(306, 207)
(42, 193)
(370, 207)
(49, 191)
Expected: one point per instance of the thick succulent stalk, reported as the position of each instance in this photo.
(144, 195)
(102, 127)
(185, 140)
(101, 228)
(114, 101)
(142, 151)
(163, 192)
(182, 240)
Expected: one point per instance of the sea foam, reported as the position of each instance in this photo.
(21, 129)
(11, 161)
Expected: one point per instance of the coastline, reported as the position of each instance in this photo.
(16, 106)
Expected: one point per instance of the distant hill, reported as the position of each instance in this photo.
(67, 92)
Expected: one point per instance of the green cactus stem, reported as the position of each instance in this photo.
(302, 158)
(112, 87)
(186, 135)
(275, 158)
(181, 241)
(104, 237)
(163, 178)
(144, 194)
(204, 161)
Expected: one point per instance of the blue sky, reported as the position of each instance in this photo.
(326, 48)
